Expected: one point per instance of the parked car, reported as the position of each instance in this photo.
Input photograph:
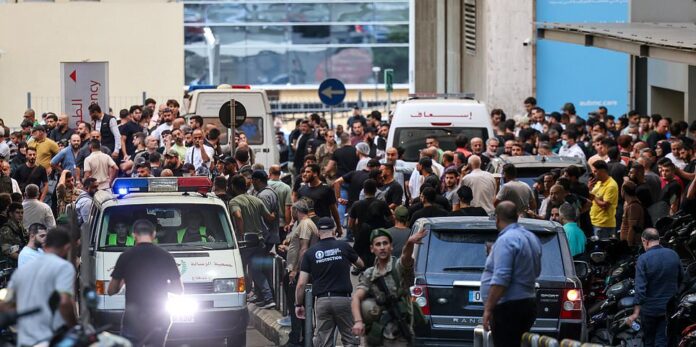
(448, 268)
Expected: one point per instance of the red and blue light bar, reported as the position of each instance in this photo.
(124, 186)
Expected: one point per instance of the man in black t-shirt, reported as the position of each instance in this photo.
(130, 128)
(151, 274)
(322, 196)
(344, 159)
(366, 215)
(430, 209)
(671, 188)
(31, 173)
(465, 195)
(328, 262)
(393, 191)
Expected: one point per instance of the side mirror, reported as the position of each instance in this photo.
(582, 269)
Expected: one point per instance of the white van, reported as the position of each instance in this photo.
(213, 305)
(258, 126)
(416, 119)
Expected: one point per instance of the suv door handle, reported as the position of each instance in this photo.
(466, 283)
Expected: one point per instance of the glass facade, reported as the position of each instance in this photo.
(298, 42)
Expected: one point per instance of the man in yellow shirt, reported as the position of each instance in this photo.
(604, 193)
(45, 147)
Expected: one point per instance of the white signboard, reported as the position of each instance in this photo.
(83, 84)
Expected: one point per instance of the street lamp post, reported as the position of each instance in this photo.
(376, 70)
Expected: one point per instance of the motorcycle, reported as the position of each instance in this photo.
(608, 318)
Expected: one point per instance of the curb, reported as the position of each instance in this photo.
(266, 322)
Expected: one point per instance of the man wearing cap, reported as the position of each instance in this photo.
(151, 274)
(45, 147)
(259, 180)
(107, 126)
(400, 231)
(172, 162)
(396, 274)
(328, 262)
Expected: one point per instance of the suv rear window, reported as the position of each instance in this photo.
(174, 223)
(470, 248)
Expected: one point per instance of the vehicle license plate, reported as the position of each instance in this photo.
(183, 318)
(475, 296)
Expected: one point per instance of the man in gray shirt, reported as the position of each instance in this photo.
(36, 211)
(259, 179)
(519, 193)
(509, 277)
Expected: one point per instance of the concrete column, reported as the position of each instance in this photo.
(453, 73)
(425, 52)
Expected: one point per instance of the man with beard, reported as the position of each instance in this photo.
(172, 162)
(66, 159)
(34, 248)
(130, 128)
(178, 145)
(83, 204)
(61, 131)
(31, 173)
(321, 194)
(107, 126)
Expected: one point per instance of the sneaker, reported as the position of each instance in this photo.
(253, 299)
(267, 304)
(284, 322)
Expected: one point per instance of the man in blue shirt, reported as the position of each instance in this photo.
(67, 157)
(509, 277)
(658, 275)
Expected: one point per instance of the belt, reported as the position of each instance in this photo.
(333, 294)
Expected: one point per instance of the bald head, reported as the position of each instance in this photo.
(274, 171)
(505, 214)
(475, 162)
(650, 235)
(430, 152)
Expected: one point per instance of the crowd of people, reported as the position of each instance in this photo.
(347, 180)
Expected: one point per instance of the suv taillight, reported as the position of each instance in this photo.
(571, 304)
(419, 295)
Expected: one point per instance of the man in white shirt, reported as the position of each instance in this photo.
(36, 211)
(6, 169)
(100, 166)
(34, 248)
(199, 154)
(482, 184)
(571, 148)
(167, 119)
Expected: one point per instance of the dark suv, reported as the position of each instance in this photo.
(448, 269)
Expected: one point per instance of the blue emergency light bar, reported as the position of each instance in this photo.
(123, 186)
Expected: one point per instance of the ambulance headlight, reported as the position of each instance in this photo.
(225, 285)
(178, 305)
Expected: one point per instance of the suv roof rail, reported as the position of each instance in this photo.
(467, 96)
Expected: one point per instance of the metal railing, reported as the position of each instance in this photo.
(484, 338)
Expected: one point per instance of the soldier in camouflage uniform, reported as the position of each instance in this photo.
(66, 192)
(398, 276)
(13, 235)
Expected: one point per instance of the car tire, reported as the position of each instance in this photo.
(238, 340)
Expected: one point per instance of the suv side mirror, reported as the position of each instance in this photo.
(582, 269)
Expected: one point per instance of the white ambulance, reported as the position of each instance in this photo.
(416, 119)
(258, 127)
(213, 304)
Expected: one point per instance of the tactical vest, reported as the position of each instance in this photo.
(181, 232)
(107, 136)
(112, 240)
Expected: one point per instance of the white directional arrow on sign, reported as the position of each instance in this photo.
(329, 92)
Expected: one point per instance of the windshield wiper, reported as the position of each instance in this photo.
(187, 245)
(463, 268)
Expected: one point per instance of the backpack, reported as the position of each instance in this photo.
(5, 184)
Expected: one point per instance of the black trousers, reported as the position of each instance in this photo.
(296, 324)
(511, 319)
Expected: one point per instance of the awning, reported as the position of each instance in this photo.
(668, 41)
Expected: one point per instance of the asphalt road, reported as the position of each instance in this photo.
(254, 339)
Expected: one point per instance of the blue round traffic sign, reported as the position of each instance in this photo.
(332, 92)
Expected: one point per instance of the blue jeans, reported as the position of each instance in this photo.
(654, 330)
(253, 258)
(604, 233)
